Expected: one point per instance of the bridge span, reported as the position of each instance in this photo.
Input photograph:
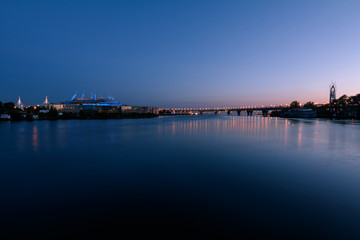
(249, 110)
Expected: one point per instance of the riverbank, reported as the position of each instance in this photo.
(83, 116)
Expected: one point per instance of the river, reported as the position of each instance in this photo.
(181, 176)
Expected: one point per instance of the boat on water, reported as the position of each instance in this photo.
(4, 117)
(300, 113)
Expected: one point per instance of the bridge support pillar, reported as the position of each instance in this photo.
(249, 112)
(265, 113)
(216, 112)
(239, 112)
(229, 113)
(201, 112)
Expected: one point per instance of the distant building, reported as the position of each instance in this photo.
(300, 113)
(139, 109)
(126, 108)
(86, 104)
(107, 105)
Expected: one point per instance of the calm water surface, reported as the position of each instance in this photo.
(187, 176)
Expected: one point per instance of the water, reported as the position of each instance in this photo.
(187, 176)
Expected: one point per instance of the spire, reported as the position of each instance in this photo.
(46, 100)
(19, 104)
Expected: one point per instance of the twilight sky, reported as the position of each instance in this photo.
(180, 53)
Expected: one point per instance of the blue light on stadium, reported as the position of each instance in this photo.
(96, 101)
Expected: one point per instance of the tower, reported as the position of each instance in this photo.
(332, 94)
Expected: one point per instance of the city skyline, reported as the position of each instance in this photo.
(94, 96)
(180, 54)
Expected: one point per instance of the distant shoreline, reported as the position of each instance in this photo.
(122, 116)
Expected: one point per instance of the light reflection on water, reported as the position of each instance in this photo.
(35, 141)
(333, 139)
(216, 169)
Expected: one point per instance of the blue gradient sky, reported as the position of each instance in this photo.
(179, 53)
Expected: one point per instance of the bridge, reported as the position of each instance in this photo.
(248, 109)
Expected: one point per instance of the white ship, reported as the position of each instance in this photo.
(5, 117)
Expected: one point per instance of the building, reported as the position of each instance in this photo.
(139, 109)
(87, 104)
(98, 104)
(300, 113)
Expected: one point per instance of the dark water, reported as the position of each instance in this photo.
(191, 177)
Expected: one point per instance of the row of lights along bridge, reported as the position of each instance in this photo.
(230, 108)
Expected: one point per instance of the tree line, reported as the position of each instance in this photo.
(344, 107)
(342, 101)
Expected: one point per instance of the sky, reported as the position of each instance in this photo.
(180, 53)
